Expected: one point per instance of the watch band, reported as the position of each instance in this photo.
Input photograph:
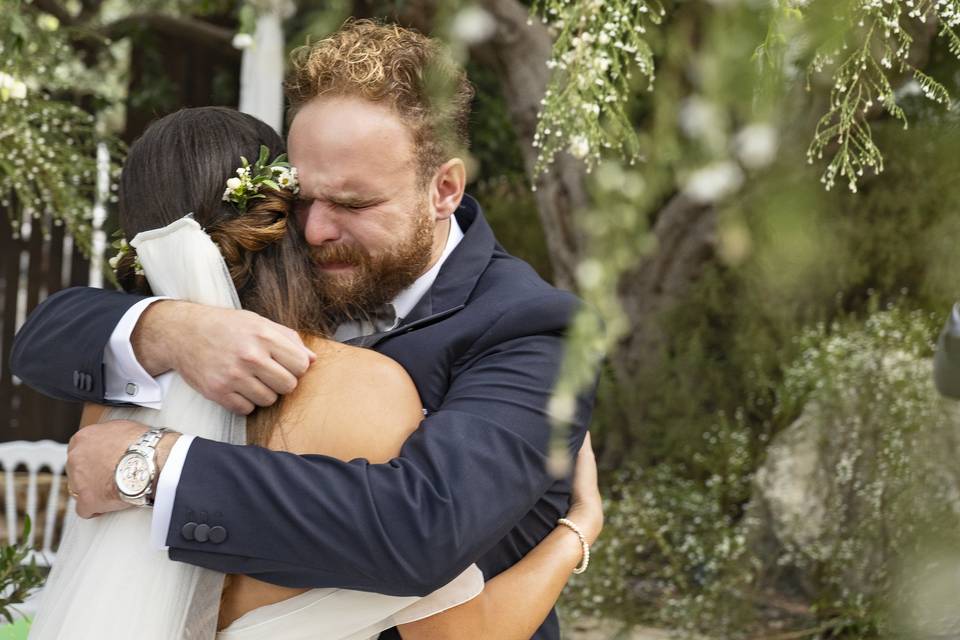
(150, 439)
(148, 442)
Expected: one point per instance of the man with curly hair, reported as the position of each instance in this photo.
(408, 266)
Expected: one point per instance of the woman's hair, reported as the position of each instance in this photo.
(180, 165)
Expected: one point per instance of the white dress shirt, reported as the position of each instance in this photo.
(125, 380)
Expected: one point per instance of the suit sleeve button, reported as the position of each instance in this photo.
(188, 530)
(201, 533)
(217, 534)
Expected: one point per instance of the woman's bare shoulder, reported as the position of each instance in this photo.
(341, 364)
(351, 403)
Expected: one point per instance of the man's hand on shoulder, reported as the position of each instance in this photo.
(235, 358)
(92, 457)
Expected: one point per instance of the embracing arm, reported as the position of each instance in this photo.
(59, 350)
(472, 470)
(537, 580)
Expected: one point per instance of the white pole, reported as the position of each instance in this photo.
(99, 238)
(261, 70)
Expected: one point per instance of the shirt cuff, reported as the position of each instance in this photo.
(125, 380)
(167, 492)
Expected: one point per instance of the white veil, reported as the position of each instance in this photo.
(108, 581)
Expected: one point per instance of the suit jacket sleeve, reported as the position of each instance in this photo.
(462, 480)
(59, 350)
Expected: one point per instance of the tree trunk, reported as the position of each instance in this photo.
(685, 231)
(519, 52)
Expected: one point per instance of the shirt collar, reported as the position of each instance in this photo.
(407, 299)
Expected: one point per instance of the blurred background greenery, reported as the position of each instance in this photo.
(759, 199)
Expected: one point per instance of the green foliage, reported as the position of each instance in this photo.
(671, 552)
(511, 211)
(597, 45)
(677, 551)
(615, 236)
(48, 164)
(875, 45)
(501, 184)
(791, 256)
(494, 146)
(18, 576)
(887, 453)
(316, 19)
(47, 143)
(859, 51)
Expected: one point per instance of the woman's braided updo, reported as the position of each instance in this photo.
(180, 165)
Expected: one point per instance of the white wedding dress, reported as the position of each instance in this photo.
(110, 583)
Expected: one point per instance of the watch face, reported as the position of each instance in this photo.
(133, 474)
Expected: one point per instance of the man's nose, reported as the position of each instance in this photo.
(320, 225)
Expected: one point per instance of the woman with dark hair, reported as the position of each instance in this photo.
(238, 248)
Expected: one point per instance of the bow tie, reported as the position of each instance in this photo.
(383, 318)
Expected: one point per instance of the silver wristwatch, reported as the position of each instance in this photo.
(137, 469)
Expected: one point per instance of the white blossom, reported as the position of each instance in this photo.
(473, 25)
(756, 145)
(11, 87)
(48, 22)
(713, 182)
(579, 146)
(242, 41)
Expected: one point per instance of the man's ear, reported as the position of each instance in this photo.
(447, 189)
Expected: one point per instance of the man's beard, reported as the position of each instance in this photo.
(372, 281)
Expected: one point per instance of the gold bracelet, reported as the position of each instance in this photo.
(585, 561)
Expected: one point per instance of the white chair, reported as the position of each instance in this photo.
(35, 456)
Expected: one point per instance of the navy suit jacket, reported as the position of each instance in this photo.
(483, 347)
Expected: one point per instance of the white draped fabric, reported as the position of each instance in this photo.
(341, 614)
(262, 70)
(109, 583)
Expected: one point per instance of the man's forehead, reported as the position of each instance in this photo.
(342, 185)
(351, 148)
(349, 121)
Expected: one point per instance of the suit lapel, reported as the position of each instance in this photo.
(374, 339)
(456, 280)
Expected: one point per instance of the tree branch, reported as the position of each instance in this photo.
(685, 233)
(56, 10)
(520, 52)
(89, 9)
(177, 27)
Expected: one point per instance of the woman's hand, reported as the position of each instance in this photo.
(586, 505)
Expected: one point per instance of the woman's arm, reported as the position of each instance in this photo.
(92, 414)
(536, 581)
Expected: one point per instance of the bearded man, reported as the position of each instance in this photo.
(408, 266)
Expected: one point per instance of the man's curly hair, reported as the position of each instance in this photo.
(412, 73)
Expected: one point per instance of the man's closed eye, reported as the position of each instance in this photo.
(354, 206)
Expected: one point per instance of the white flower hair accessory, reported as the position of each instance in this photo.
(123, 248)
(251, 179)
